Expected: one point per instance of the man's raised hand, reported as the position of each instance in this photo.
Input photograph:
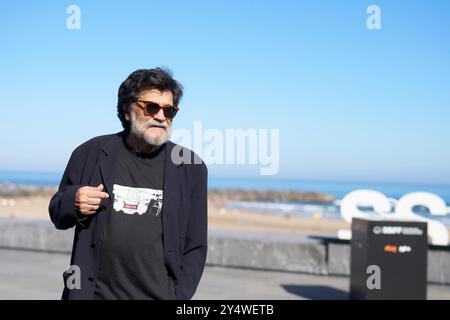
(87, 199)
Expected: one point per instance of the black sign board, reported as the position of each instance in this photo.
(388, 259)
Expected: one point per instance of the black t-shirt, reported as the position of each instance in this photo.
(131, 251)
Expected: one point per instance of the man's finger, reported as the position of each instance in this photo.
(93, 201)
(88, 212)
(97, 194)
(86, 188)
(84, 211)
(88, 208)
(89, 188)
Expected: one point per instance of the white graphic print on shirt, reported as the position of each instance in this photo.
(141, 200)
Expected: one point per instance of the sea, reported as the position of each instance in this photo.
(305, 209)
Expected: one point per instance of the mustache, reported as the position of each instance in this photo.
(156, 124)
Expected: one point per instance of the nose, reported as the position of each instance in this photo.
(159, 115)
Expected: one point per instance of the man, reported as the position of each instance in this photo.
(140, 214)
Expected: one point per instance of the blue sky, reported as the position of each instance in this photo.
(351, 104)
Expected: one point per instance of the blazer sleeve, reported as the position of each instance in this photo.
(62, 209)
(195, 249)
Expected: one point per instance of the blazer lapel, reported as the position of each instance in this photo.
(107, 165)
(108, 160)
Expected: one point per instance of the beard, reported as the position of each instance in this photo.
(157, 136)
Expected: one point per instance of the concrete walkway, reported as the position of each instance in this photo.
(37, 275)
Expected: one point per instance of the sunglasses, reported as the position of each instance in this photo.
(151, 108)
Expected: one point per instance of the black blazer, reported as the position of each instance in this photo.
(184, 218)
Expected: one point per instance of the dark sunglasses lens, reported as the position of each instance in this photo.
(170, 112)
(152, 108)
